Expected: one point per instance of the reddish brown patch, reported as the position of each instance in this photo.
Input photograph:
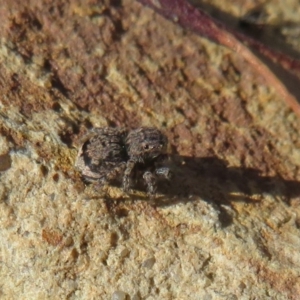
(20, 92)
(52, 237)
(15, 137)
(282, 281)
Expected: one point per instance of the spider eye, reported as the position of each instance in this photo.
(146, 147)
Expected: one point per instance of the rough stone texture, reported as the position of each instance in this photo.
(227, 227)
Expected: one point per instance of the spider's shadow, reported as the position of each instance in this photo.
(212, 180)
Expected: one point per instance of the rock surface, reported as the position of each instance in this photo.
(227, 225)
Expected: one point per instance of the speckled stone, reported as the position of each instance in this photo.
(225, 227)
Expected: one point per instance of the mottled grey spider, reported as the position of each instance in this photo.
(107, 153)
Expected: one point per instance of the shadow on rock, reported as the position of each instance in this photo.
(213, 181)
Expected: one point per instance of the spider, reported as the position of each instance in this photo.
(102, 155)
(109, 152)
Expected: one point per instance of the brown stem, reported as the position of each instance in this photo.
(185, 14)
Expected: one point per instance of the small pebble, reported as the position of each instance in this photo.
(148, 263)
(5, 162)
(118, 295)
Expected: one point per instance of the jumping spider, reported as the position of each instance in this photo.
(109, 152)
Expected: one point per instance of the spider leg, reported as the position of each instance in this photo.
(111, 174)
(126, 179)
(164, 172)
(150, 180)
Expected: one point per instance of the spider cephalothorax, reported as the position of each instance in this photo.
(145, 147)
(145, 144)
